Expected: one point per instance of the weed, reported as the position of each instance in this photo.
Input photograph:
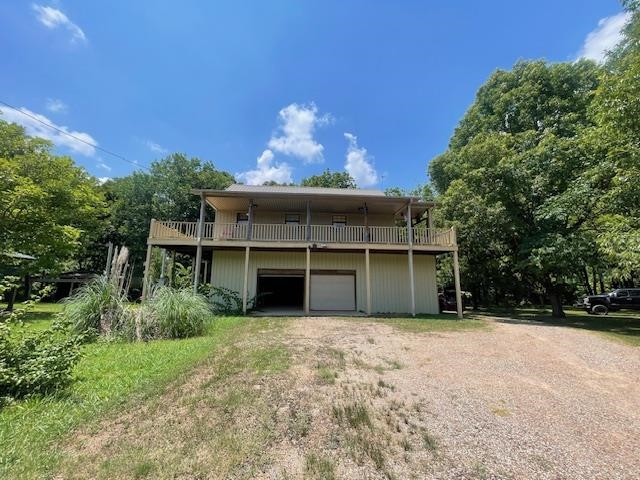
(405, 444)
(383, 384)
(371, 340)
(354, 414)
(429, 441)
(143, 469)
(319, 467)
(326, 376)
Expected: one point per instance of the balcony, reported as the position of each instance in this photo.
(283, 233)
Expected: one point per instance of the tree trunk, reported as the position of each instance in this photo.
(556, 305)
(595, 283)
(11, 299)
(601, 277)
(586, 280)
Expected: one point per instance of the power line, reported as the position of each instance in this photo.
(53, 127)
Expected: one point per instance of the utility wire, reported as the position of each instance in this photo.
(53, 127)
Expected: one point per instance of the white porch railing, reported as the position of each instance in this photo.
(298, 233)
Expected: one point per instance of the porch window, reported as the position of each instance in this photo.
(242, 218)
(292, 219)
(339, 221)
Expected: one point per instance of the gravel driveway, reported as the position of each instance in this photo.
(513, 401)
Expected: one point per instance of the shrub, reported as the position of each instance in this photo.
(97, 308)
(225, 301)
(36, 362)
(171, 313)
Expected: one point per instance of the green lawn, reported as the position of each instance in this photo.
(623, 326)
(443, 322)
(40, 316)
(109, 375)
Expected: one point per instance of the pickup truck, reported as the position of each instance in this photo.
(622, 298)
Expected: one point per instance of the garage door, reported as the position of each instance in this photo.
(333, 292)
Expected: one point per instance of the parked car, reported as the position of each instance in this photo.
(447, 300)
(622, 298)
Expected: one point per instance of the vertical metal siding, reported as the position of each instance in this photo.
(389, 275)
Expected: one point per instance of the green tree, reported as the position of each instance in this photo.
(49, 206)
(329, 179)
(515, 180)
(163, 193)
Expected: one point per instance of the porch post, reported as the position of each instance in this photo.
(211, 274)
(250, 221)
(246, 281)
(196, 277)
(412, 286)
(368, 275)
(206, 269)
(456, 279)
(163, 265)
(308, 221)
(172, 279)
(307, 282)
(145, 279)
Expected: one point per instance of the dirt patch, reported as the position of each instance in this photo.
(324, 398)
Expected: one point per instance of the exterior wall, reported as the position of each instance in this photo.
(390, 291)
(317, 218)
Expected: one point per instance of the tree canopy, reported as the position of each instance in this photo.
(541, 176)
(329, 179)
(49, 207)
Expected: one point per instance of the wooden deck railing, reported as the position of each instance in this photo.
(300, 233)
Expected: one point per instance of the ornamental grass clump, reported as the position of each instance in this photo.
(171, 313)
(97, 308)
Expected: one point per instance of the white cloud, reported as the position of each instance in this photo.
(267, 171)
(604, 38)
(154, 147)
(357, 164)
(297, 124)
(53, 18)
(103, 180)
(56, 105)
(101, 164)
(36, 129)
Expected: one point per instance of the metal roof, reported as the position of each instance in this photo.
(286, 189)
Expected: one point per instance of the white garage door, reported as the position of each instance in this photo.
(333, 292)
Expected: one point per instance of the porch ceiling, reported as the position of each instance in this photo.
(298, 203)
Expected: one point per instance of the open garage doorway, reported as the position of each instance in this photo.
(280, 290)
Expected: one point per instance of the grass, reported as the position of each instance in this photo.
(354, 414)
(623, 326)
(319, 467)
(215, 422)
(109, 376)
(39, 318)
(430, 323)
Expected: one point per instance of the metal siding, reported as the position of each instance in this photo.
(389, 275)
(390, 284)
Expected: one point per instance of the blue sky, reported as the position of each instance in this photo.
(275, 90)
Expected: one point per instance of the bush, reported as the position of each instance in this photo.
(34, 363)
(97, 308)
(225, 301)
(171, 313)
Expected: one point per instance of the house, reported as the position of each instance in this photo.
(309, 249)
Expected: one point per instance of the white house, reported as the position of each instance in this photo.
(308, 249)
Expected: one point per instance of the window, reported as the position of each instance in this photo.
(292, 218)
(242, 218)
(622, 293)
(339, 221)
(634, 293)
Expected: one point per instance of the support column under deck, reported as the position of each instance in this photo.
(368, 275)
(307, 283)
(147, 268)
(456, 279)
(245, 287)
